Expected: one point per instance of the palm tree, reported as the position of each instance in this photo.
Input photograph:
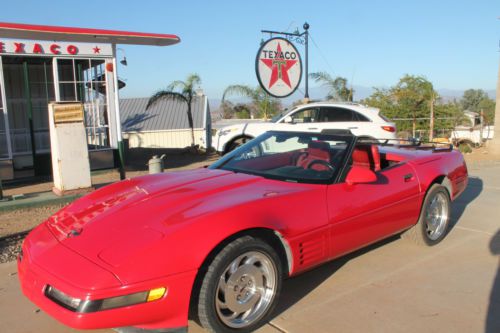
(338, 86)
(186, 94)
(261, 101)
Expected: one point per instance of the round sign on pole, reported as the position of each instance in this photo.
(278, 67)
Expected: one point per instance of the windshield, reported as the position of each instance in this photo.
(289, 156)
(278, 116)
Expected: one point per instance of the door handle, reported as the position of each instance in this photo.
(352, 128)
(408, 177)
(312, 128)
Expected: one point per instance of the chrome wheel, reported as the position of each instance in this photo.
(436, 216)
(246, 289)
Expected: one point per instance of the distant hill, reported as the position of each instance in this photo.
(360, 92)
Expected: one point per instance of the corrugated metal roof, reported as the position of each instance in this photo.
(166, 114)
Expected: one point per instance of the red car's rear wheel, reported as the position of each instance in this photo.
(432, 225)
(241, 287)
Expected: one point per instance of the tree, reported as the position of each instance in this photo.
(338, 86)
(412, 97)
(478, 101)
(186, 94)
(262, 103)
(449, 115)
(487, 108)
(242, 111)
(227, 109)
(383, 100)
(416, 94)
(472, 98)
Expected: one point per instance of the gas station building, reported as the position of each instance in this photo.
(44, 64)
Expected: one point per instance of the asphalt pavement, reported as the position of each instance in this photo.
(393, 286)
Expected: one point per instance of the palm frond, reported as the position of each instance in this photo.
(165, 94)
(241, 90)
(322, 77)
(193, 80)
(176, 84)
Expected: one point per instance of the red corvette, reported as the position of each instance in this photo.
(139, 254)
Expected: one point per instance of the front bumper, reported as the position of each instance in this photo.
(35, 276)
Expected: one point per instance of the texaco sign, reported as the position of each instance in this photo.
(278, 67)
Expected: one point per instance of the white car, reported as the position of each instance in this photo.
(363, 122)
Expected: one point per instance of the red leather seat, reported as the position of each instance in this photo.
(366, 156)
(316, 150)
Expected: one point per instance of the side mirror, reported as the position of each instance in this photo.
(288, 120)
(359, 175)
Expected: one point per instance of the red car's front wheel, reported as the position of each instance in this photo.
(241, 287)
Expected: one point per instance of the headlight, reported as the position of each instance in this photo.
(87, 306)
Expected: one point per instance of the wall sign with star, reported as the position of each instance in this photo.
(278, 67)
(52, 49)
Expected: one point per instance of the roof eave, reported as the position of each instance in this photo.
(87, 35)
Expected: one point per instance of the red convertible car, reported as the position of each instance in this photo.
(217, 242)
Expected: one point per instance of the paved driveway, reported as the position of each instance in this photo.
(390, 287)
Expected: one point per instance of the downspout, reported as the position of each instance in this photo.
(121, 152)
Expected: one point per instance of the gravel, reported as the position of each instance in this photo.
(15, 225)
(13, 222)
(10, 247)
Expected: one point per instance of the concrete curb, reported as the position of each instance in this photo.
(34, 200)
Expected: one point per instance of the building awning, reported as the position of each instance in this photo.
(86, 35)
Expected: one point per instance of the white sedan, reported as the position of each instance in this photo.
(361, 120)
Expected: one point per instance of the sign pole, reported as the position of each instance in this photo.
(306, 28)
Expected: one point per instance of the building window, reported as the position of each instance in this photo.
(84, 80)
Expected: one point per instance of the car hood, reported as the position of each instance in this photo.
(113, 226)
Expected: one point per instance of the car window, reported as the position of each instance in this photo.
(310, 115)
(360, 117)
(332, 114)
(289, 156)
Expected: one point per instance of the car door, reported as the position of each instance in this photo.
(360, 214)
(303, 120)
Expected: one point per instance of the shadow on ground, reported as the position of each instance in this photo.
(474, 188)
(296, 288)
(493, 316)
(137, 158)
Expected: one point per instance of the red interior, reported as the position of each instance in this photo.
(316, 150)
(366, 156)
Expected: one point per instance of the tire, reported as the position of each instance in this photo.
(241, 287)
(432, 225)
(236, 143)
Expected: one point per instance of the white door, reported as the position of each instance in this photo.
(5, 146)
(303, 120)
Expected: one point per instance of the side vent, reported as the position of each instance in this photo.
(312, 251)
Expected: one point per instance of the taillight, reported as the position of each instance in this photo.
(389, 128)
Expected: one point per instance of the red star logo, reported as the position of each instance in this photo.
(279, 66)
(96, 50)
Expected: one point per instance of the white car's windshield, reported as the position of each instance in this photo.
(289, 156)
(278, 116)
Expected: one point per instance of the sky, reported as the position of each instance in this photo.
(454, 44)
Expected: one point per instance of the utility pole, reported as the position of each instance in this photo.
(431, 122)
(494, 145)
